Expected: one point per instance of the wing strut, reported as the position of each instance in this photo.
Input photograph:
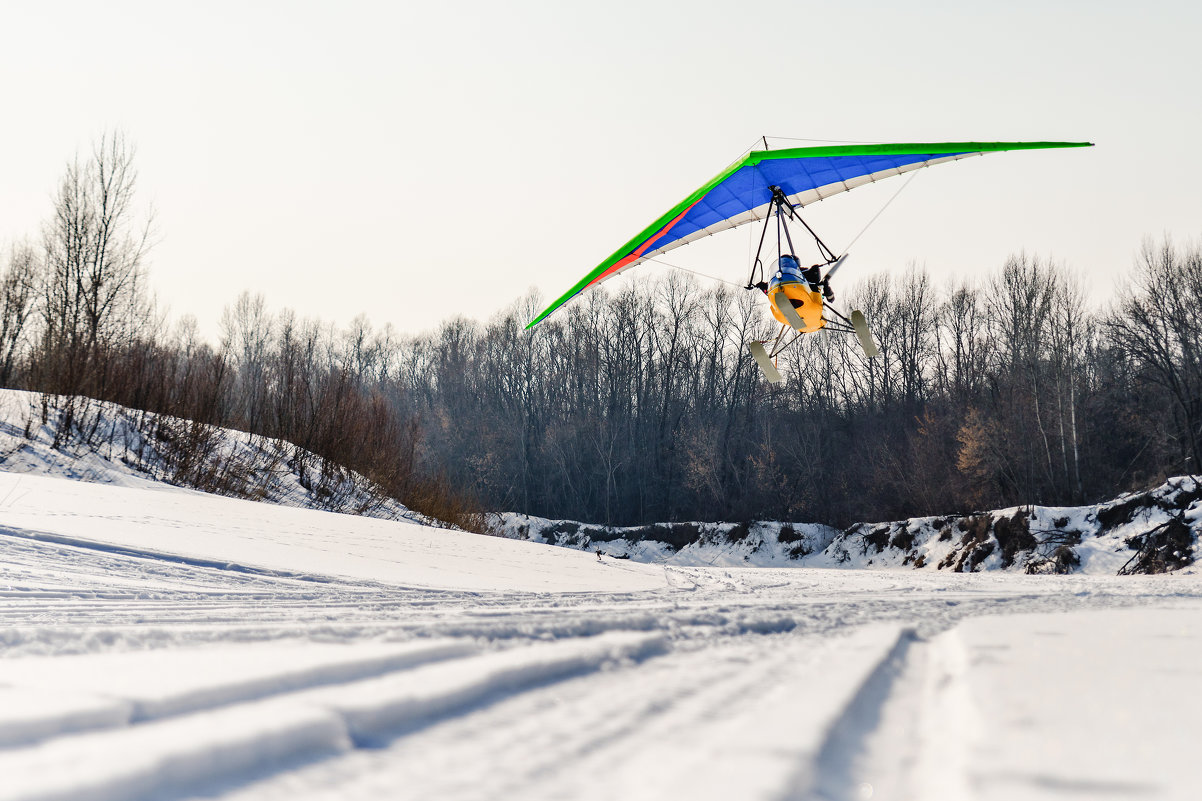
(783, 211)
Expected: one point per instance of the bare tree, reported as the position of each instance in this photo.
(95, 248)
(1018, 305)
(18, 294)
(915, 320)
(1159, 326)
(1069, 332)
(962, 344)
(246, 335)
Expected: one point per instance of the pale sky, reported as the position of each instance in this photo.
(415, 161)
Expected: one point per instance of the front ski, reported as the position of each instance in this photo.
(866, 342)
(786, 308)
(766, 365)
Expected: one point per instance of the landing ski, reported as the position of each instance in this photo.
(766, 365)
(866, 342)
(786, 308)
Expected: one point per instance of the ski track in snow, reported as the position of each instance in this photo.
(165, 672)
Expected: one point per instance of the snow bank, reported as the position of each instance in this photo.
(1149, 532)
(760, 544)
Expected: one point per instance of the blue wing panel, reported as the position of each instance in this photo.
(747, 188)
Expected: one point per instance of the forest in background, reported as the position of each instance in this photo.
(643, 404)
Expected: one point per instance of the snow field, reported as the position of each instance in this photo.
(1114, 692)
(743, 719)
(159, 643)
(1091, 704)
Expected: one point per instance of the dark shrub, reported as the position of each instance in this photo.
(1014, 535)
(787, 534)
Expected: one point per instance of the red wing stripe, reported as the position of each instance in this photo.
(636, 255)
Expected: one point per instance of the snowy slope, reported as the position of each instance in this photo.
(110, 444)
(162, 643)
(169, 523)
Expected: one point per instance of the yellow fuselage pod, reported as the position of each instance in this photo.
(807, 303)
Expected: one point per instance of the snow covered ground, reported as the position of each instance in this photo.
(162, 643)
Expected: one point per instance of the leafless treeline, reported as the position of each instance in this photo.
(644, 405)
(641, 405)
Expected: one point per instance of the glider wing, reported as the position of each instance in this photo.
(741, 194)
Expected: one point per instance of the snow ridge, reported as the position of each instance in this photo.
(261, 712)
(1155, 531)
(763, 543)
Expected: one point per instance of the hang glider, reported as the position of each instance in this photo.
(771, 182)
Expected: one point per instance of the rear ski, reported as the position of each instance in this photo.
(866, 341)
